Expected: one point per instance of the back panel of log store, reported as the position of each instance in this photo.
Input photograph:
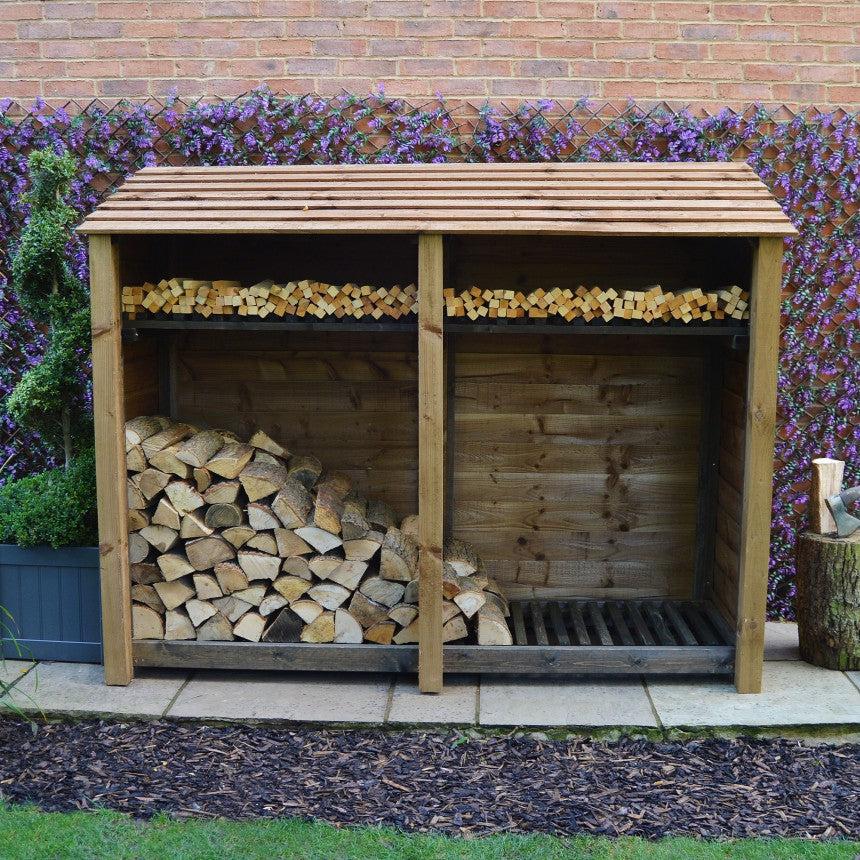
(463, 418)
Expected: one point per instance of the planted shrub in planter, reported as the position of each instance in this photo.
(48, 559)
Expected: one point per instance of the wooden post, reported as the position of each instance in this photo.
(108, 409)
(431, 488)
(758, 463)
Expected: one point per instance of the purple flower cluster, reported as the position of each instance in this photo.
(809, 160)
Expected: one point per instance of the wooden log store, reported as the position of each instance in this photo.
(569, 369)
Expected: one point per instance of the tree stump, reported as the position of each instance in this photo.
(828, 600)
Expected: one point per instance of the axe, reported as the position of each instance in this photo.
(846, 525)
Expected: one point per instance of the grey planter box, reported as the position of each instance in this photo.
(54, 598)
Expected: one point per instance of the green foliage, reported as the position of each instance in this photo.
(50, 397)
(57, 507)
(110, 835)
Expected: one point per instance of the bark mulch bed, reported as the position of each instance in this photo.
(427, 781)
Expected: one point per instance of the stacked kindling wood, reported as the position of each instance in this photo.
(311, 299)
(183, 296)
(233, 540)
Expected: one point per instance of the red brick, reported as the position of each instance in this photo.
(175, 47)
(510, 9)
(44, 30)
(791, 12)
(513, 87)
(573, 89)
(425, 68)
(685, 90)
(796, 53)
(569, 48)
(844, 13)
(391, 47)
(373, 68)
(285, 8)
(359, 27)
(229, 9)
(621, 50)
(122, 87)
(600, 69)
(682, 11)
(769, 72)
(811, 33)
(339, 48)
(742, 92)
(20, 50)
(680, 51)
(453, 8)
(395, 8)
(623, 89)
(659, 69)
(738, 51)
(169, 10)
(452, 48)
(539, 29)
(21, 11)
(765, 33)
(150, 29)
(828, 74)
(622, 9)
(509, 48)
(563, 9)
(147, 68)
(61, 49)
(280, 48)
(70, 11)
(482, 28)
(40, 68)
(641, 30)
(311, 66)
(849, 95)
(260, 68)
(70, 89)
(543, 68)
(709, 32)
(740, 12)
(481, 67)
(425, 27)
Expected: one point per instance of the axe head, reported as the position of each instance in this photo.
(846, 524)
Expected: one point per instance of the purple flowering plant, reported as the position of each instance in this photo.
(808, 159)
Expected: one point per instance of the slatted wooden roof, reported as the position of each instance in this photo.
(708, 199)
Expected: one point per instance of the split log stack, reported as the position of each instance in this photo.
(233, 540)
(312, 299)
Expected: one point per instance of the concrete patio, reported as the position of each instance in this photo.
(795, 695)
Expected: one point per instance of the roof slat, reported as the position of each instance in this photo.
(622, 198)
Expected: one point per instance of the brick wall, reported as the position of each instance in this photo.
(714, 53)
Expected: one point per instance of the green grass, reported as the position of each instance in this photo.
(28, 834)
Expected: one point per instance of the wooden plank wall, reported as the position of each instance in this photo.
(732, 435)
(576, 471)
(140, 372)
(350, 400)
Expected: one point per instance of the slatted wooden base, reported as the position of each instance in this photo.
(576, 637)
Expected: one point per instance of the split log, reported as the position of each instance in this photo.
(253, 594)
(381, 633)
(135, 499)
(297, 566)
(450, 582)
(380, 515)
(346, 629)
(202, 479)
(403, 613)
(384, 591)
(292, 505)
(230, 577)
(137, 520)
(408, 635)
(409, 526)
(223, 515)
(331, 493)
(167, 461)
(175, 592)
(135, 459)
(147, 595)
(194, 527)
(828, 621)
(827, 477)
(199, 611)
(291, 587)
(264, 542)
(455, 629)
(143, 573)
(166, 515)
(151, 482)
(323, 565)
(320, 630)
(205, 553)
(206, 585)
(170, 436)
(259, 565)
(230, 460)
(321, 540)
(264, 442)
(305, 470)
(238, 535)
(399, 558)
(366, 611)
(410, 595)
(200, 448)
(146, 623)
(177, 625)
(232, 608)
(160, 537)
(222, 493)
(348, 574)
(329, 595)
(354, 524)
(360, 549)
(216, 629)
(307, 610)
(250, 627)
(261, 517)
(272, 603)
(173, 566)
(286, 627)
(138, 429)
(492, 628)
(470, 601)
(462, 557)
(290, 544)
(183, 496)
(261, 480)
(449, 610)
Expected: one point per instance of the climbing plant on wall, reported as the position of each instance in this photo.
(808, 159)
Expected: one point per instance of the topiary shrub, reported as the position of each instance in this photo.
(56, 507)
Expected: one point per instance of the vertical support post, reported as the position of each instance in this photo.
(758, 463)
(109, 413)
(431, 460)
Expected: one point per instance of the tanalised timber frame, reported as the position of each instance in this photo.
(436, 201)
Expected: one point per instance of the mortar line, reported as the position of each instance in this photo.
(389, 700)
(651, 703)
(188, 678)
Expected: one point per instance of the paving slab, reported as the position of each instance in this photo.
(793, 693)
(79, 688)
(457, 703)
(780, 641)
(12, 671)
(854, 677)
(297, 696)
(513, 702)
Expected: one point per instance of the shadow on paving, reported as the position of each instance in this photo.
(430, 781)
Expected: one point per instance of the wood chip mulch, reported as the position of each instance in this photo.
(426, 781)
